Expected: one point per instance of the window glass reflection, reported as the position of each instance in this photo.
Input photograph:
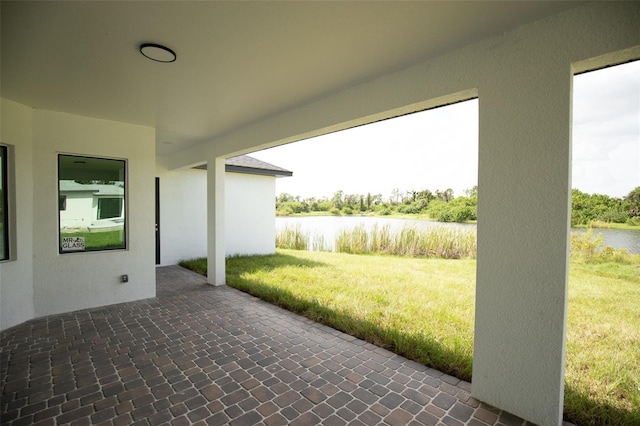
(92, 203)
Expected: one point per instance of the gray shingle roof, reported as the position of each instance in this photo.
(246, 164)
(97, 189)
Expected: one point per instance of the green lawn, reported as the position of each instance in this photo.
(424, 309)
(99, 240)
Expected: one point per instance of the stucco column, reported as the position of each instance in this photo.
(523, 225)
(215, 221)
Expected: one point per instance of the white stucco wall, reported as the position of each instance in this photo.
(249, 214)
(216, 236)
(523, 81)
(183, 214)
(67, 282)
(80, 210)
(16, 275)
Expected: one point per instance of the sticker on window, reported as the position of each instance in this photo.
(72, 243)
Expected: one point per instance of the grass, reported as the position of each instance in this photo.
(424, 309)
(420, 308)
(437, 242)
(293, 238)
(602, 377)
(610, 225)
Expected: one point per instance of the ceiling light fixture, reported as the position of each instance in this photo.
(157, 52)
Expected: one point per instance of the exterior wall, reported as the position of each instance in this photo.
(67, 282)
(249, 214)
(80, 211)
(183, 214)
(16, 275)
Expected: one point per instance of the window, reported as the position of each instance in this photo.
(91, 203)
(4, 205)
(109, 207)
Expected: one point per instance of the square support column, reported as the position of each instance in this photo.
(215, 222)
(523, 230)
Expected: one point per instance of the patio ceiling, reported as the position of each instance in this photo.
(238, 62)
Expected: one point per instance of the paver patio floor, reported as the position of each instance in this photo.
(198, 354)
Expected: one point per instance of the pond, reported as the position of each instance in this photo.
(617, 238)
(327, 228)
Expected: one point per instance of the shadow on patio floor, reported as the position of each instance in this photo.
(198, 354)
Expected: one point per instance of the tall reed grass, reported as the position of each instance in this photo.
(293, 238)
(436, 242)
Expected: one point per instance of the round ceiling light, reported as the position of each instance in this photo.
(157, 52)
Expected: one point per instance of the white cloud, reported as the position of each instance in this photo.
(438, 149)
(606, 130)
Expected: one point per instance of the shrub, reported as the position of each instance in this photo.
(347, 210)
(586, 249)
(286, 211)
(413, 208)
(634, 221)
(461, 209)
(614, 216)
(335, 211)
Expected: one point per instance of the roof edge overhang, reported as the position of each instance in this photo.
(262, 172)
(250, 171)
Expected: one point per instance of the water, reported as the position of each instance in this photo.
(617, 238)
(324, 229)
(327, 227)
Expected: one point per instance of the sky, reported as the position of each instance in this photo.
(438, 149)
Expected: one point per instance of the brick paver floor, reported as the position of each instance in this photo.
(198, 354)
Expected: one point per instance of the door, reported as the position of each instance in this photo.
(157, 221)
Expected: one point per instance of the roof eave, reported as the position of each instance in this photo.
(252, 171)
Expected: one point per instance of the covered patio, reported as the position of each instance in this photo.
(198, 354)
(236, 77)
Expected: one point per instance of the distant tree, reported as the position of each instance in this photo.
(396, 195)
(472, 192)
(586, 208)
(376, 200)
(337, 200)
(351, 200)
(426, 195)
(633, 198)
(460, 209)
(286, 198)
(446, 195)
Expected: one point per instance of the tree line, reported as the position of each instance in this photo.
(439, 205)
(589, 208)
(443, 206)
